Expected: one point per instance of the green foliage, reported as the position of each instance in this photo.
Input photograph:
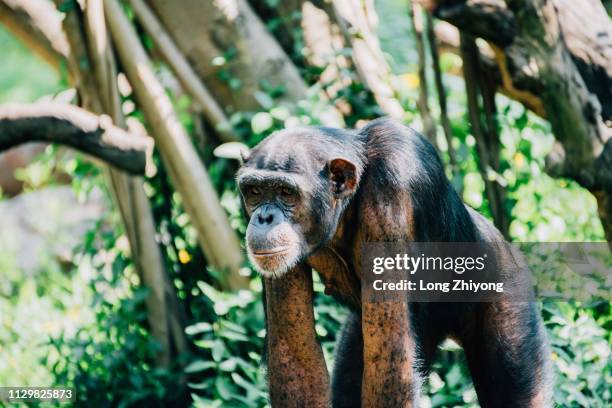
(112, 361)
(226, 371)
(580, 341)
(32, 308)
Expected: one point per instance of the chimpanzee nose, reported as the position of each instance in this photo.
(267, 216)
(265, 219)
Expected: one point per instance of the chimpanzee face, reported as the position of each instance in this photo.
(292, 193)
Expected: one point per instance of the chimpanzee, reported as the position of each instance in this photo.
(314, 197)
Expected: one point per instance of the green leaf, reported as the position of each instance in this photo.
(218, 350)
(224, 388)
(202, 327)
(264, 99)
(199, 365)
(453, 377)
(199, 386)
(261, 122)
(280, 113)
(228, 365)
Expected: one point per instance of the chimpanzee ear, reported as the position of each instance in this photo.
(343, 176)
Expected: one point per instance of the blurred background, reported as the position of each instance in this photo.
(126, 278)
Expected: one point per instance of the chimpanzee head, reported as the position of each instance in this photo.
(295, 185)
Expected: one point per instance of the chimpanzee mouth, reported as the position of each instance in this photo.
(271, 252)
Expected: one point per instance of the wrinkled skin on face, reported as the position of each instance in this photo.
(294, 187)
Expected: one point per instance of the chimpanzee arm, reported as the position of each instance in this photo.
(297, 374)
(389, 377)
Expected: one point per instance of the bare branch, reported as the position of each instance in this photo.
(74, 127)
(132, 202)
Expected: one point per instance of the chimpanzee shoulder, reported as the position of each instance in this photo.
(400, 158)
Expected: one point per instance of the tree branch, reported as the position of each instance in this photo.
(585, 33)
(494, 62)
(74, 127)
(38, 25)
(489, 19)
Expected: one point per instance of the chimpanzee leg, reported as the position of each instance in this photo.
(348, 369)
(508, 356)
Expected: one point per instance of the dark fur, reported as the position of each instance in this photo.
(399, 172)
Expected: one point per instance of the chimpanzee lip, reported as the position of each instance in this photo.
(270, 252)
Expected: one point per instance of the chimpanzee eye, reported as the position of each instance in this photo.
(288, 195)
(252, 195)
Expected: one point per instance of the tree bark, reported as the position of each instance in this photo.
(74, 127)
(217, 239)
(554, 49)
(231, 51)
(583, 32)
(573, 107)
(448, 39)
(183, 70)
(357, 21)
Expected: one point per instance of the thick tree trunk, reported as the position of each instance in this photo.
(585, 32)
(231, 50)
